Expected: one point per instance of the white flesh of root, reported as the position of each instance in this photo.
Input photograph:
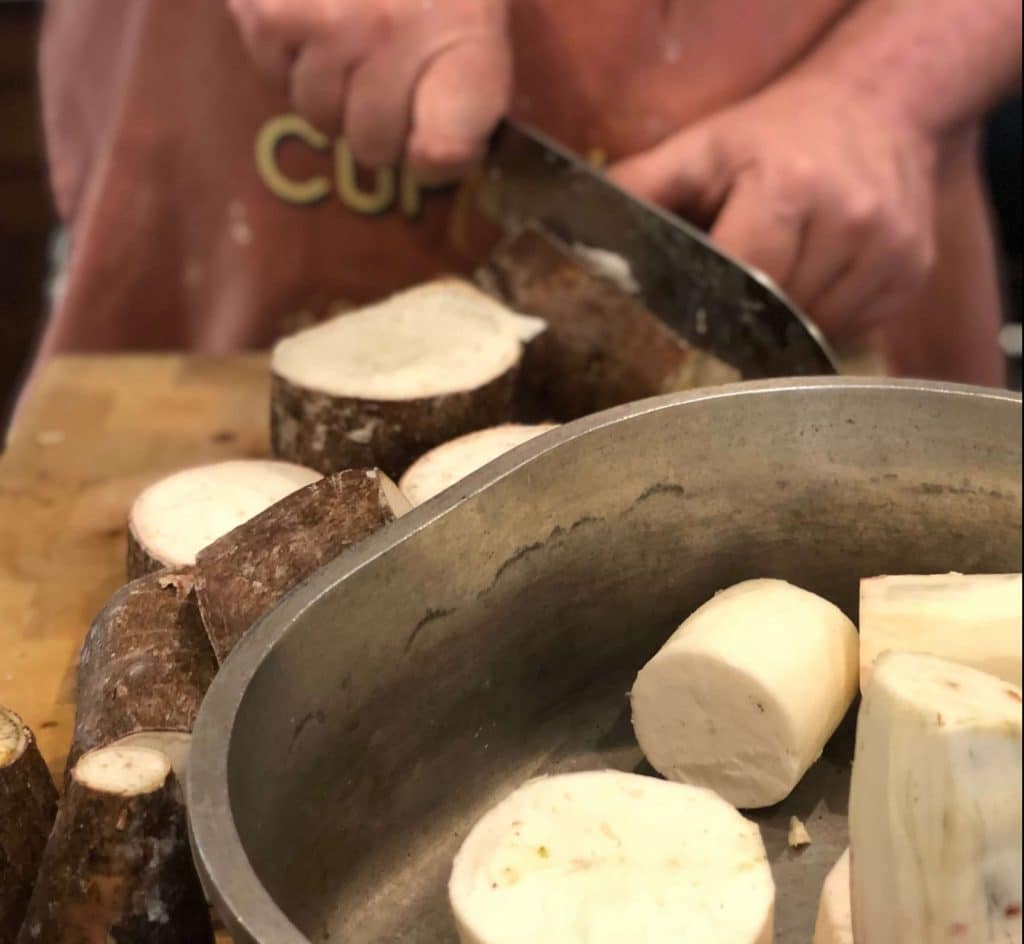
(174, 745)
(13, 738)
(604, 856)
(445, 465)
(974, 619)
(745, 694)
(443, 337)
(123, 771)
(935, 805)
(178, 516)
(835, 922)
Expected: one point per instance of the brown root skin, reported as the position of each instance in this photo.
(602, 347)
(118, 869)
(330, 433)
(243, 574)
(138, 561)
(28, 805)
(145, 665)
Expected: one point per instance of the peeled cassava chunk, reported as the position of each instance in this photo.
(935, 805)
(447, 464)
(835, 922)
(605, 857)
(117, 867)
(175, 518)
(28, 804)
(382, 385)
(745, 694)
(974, 619)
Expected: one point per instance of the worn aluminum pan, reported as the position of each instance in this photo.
(361, 728)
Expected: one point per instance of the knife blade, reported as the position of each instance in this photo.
(710, 299)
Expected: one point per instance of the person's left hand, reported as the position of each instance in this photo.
(826, 189)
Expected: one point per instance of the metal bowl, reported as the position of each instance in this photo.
(361, 728)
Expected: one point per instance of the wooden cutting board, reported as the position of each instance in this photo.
(92, 433)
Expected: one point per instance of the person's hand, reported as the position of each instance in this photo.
(822, 187)
(426, 79)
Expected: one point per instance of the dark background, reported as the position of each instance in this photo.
(26, 215)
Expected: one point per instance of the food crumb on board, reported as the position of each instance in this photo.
(798, 835)
(50, 437)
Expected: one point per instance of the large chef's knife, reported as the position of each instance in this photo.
(708, 298)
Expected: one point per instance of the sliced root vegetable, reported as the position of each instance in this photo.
(380, 386)
(144, 669)
(935, 805)
(176, 517)
(28, 804)
(835, 920)
(118, 865)
(609, 856)
(974, 619)
(745, 694)
(243, 574)
(602, 347)
(447, 464)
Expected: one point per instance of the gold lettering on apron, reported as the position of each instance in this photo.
(301, 192)
(411, 191)
(373, 202)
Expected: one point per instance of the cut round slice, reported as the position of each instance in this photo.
(175, 518)
(381, 385)
(118, 866)
(935, 805)
(835, 921)
(442, 467)
(28, 804)
(745, 694)
(605, 857)
(144, 668)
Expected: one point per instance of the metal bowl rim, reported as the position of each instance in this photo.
(243, 902)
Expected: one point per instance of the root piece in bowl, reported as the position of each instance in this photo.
(611, 856)
(935, 805)
(745, 694)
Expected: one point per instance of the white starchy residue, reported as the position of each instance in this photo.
(608, 265)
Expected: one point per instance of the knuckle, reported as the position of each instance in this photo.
(862, 213)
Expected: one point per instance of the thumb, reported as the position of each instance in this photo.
(684, 173)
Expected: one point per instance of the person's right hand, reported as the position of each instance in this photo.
(423, 79)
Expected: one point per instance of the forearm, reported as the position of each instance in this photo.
(937, 62)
